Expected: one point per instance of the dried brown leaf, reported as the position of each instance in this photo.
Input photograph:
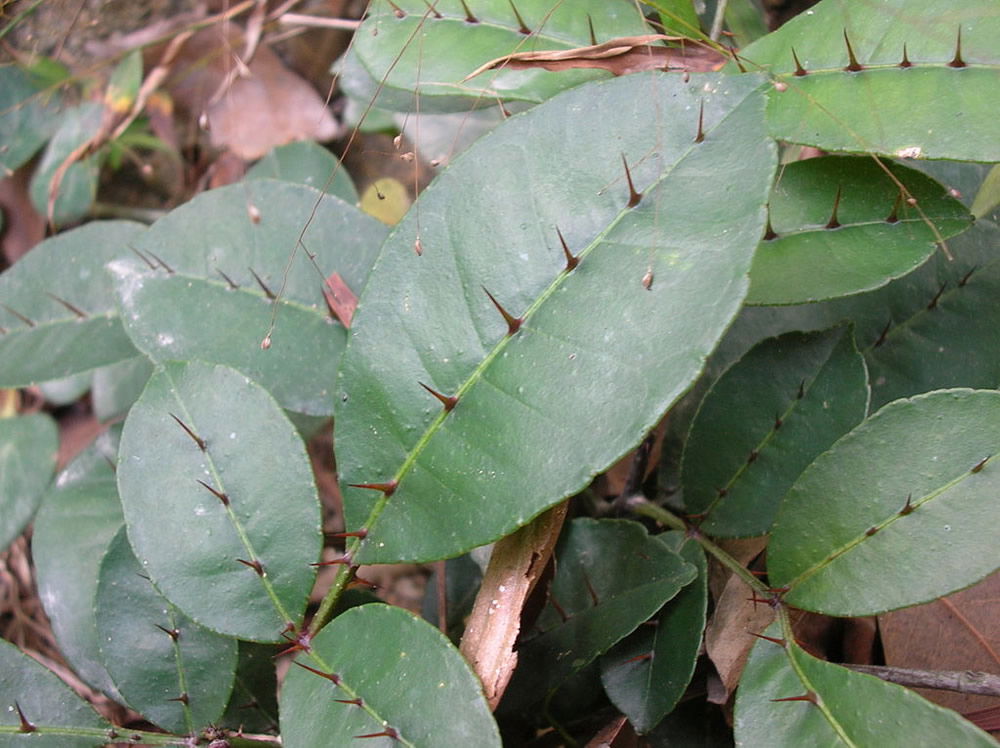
(340, 299)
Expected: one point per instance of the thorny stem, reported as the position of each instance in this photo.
(121, 736)
(642, 505)
(720, 17)
(961, 681)
(325, 612)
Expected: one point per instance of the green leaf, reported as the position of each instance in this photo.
(408, 675)
(77, 520)
(745, 450)
(850, 709)
(123, 85)
(932, 329)
(879, 235)
(309, 163)
(610, 577)
(988, 197)
(28, 116)
(59, 342)
(28, 446)
(78, 184)
(174, 672)
(189, 540)
(914, 475)
(253, 704)
(117, 386)
(59, 392)
(521, 438)
(928, 110)
(191, 311)
(61, 718)
(646, 690)
(746, 20)
(419, 51)
(677, 17)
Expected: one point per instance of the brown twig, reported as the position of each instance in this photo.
(962, 681)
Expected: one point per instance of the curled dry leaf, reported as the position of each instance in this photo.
(627, 54)
(248, 114)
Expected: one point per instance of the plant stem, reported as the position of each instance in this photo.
(962, 681)
(325, 612)
(720, 17)
(642, 505)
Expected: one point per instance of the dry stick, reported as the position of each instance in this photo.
(515, 567)
(319, 22)
(962, 681)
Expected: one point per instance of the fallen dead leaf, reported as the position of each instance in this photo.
(957, 632)
(628, 54)
(340, 299)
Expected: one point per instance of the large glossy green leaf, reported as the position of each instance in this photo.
(913, 476)
(610, 577)
(932, 329)
(409, 677)
(58, 341)
(61, 718)
(612, 343)
(646, 674)
(77, 520)
(878, 235)
(28, 116)
(397, 52)
(847, 708)
(28, 446)
(764, 421)
(174, 672)
(117, 386)
(931, 109)
(76, 187)
(218, 241)
(189, 540)
(306, 162)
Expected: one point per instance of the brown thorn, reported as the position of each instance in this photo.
(26, 320)
(802, 390)
(957, 61)
(522, 26)
(513, 323)
(162, 263)
(256, 565)
(183, 698)
(853, 65)
(809, 696)
(365, 582)
(882, 336)
(834, 223)
(934, 302)
(353, 702)
(780, 642)
(722, 492)
(448, 402)
(388, 732)
(571, 260)
(777, 422)
(433, 10)
(769, 232)
(893, 217)
(593, 36)
(360, 534)
(559, 609)
(76, 310)
(469, 18)
(590, 589)
(633, 196)
(871, 531)
(701, 123)
(332, 677)
(908, 506)
(638, 658)
(980, 465)
(343, 561)
(142, 257)
(752, 457)
(25, 726)
(267, 291)
(736, 59)
(965, 278)
(223, 497)
(397, 11)
(197, 439)
(174, 634)
(799, 70)
(228, 280)
(905, 62)
(387, 488)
